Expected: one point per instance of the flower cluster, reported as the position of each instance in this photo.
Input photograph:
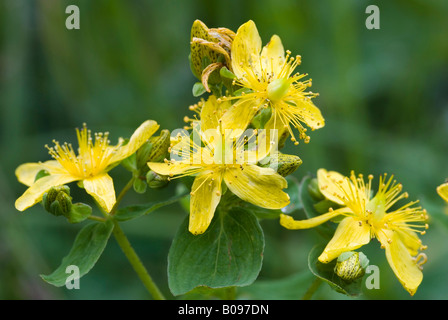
(259, 82)
(231, 148)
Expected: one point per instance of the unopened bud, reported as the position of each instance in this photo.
(284, 164)
(351, 265)
(160, 145)
(139, 185)
(57, 200)
(287, 164)
(313, 190)
(156, 181)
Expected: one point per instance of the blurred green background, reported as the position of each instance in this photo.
(383, 93)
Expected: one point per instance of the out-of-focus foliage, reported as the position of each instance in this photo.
(383, 93)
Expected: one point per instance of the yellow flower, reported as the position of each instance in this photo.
(366, 217)
(90, 166)
(442, 190)
(215, 159)
(268, 74)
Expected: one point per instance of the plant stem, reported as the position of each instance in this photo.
(129, 252)
(121, 195)
(96, 218)
(136, 263)
(312, 289)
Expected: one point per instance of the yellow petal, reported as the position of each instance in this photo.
(101, 188)
(332, 185)
(211, 112)
(349, 235)
(259, 186)
(35, 192)
(411, 240)
(401, 261)
(166, 169)
(139, 137)
(246, 49)
(273, 55)
(268, 138)
(442, 190)
(240, 114)
(289, 223)
(205, 197)
(26, 173)
(307, 112)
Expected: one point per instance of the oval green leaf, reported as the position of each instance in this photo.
(325, 271)
(86, 250)
(132, 212)
(229, 253)
(308, 203)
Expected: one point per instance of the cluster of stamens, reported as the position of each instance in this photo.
(92, 155)
(356, 195)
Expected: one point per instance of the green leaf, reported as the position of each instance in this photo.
(132, 212)
(241, 91)
(263, 213)
(293, 190)
(228, 253)
(198, 89)
(42, 173)
(87, 248)
(289, 288)
(325, 271)
(309, 208)
(226, 73)
(79, 212)
(259, 121)
(130, 163)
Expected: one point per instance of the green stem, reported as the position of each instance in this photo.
(127, 249)
(96, 218)
(136, 263)
(121, 195)
(312, 289)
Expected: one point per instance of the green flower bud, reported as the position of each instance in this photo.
(351, 265)
(154, 150)
(313, 190)
(142, 155)
(139, 186)
(57, 200)
(160, 145)
(285, 164)
(156, 181)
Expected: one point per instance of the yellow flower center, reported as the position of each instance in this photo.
(374, 211)
(277, 89)
(93, 157)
